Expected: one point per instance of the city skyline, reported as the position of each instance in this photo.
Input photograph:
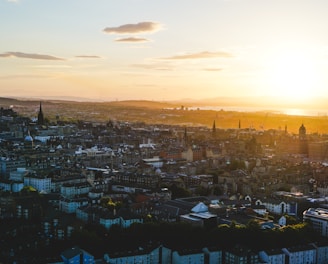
(163, 50)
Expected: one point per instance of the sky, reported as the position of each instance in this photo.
(163, 50)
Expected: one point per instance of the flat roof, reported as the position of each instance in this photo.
(316, 213)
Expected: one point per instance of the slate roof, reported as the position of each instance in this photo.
(200, 208)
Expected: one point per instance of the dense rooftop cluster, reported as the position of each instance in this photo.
(57, 177)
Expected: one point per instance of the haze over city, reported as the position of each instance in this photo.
(164, 50)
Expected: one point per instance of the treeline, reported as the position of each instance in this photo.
(98, 240)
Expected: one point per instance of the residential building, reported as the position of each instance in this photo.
(8, 165)
(304, 254)
(11, 186)
(241, 255)
(128, 218)
(70, 190)
(109, 219)
(188, 256)
(279, 207)
(70, 205)
(322, 252)
(272, 256)
(141, 255)
(76, 255)
(57, 183)
(212, 255)
(19, 174)
(200, 216)
(40, 183)
(319, 219)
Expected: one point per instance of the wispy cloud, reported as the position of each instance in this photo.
(200, 55)
(132, 39)
(155, 66)
(142, 27)
(88, 57)
(13, 1)
(22, 76)
(52, 66)
(28, 56)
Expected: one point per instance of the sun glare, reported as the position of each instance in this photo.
(293, 75)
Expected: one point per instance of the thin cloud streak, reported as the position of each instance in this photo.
(153, 67)
(132, 40)
(28, 56)
(142, 27)
(200, 55)
(21, 76)
(50, 66)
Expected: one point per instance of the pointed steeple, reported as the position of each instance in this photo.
(214, 127)
(185, 137)
(40, 116)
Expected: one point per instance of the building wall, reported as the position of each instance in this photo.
(322, 254)
(197, 258)
(300, 257)
(40, 184)
(108, 222)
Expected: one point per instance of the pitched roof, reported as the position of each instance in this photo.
(200, 208)
(71, 252)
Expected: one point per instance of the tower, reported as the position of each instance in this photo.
(28, 141)
(185, 137)
(40, 116)
(302, 132)
(303, 144)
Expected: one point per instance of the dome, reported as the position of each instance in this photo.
(28, 138)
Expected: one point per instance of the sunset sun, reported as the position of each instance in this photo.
(293, 75)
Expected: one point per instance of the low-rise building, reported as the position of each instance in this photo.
(128, 218)
(213, 255)
(70, 190)
(8, 165)
(77, 255)
(188, 256)
(141, 255)
(277, 206)
(40, 183)
(70, 205)
(200, 216)
(272, 256)
(304, 254)
(322, 252)
(11, 186)
(241, 255)
(319, 219)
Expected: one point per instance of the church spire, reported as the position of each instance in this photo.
(214, 127)
(185, 137)
(40, 116)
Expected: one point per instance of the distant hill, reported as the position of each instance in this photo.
(144, 104)
(168, 113)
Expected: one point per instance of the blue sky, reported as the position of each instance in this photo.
(163, 50)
